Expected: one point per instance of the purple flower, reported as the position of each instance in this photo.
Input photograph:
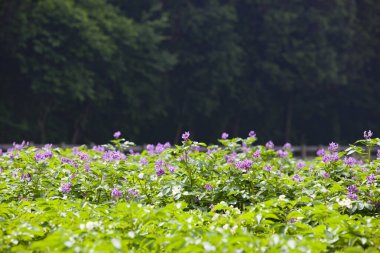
(378, 153)
(282, 153)
(68, 161)
(256, 154)
(160, 171)
(352, 196)
(296, 178)
(110, 155)
(321, 152)
(87, 167)
(208, 187)
(292, 220)
(231, 158)
(224, 136)
(329, 158)
(133, 192)
(99, 148)
(20, 146)
(287, 145)
(143, 161)
(82, 156)
(65, 188)
(159, 148)
(116, 193)
(167, 145)
(352, 188)
(26, 177)
(333, 146)
(371, 179)
(159, 165)
(350, 161)
(268, 168)
(43, 155)
(150, 149)
(252, 134)
(368, 135)
(171, 168)
(185, 136)
(117, 135)
(243, 165)
(325, 174)
(300, 164)
(269, 145)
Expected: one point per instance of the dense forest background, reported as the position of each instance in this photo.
(75, 71)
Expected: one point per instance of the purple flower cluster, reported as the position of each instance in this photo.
(352, 190)
(231, 157)
(224, 135)
(186, 136)
(252, 134)
(371, 179)
(133, 192)
(282, 154)
(287, 145)
(257, 154)
(116, 193)
(87, 167)
(158, 149)
(99, 148)
(333, 146)
(350, 161)
(378, 153)
(208, 187)
(66, 188)
(20, 146)
(171, 168)
(268, 168)
(325, 174)
(243, 165)
(110, 155)
(69, 161)
(82, 156)
(330, 157)
(368, 135)
(296, 178)
(269, 145)
(26, 177)
(159, 166)
(117, 135)
(43, 155)
(300, 164)
(321, 152)
(144, 161)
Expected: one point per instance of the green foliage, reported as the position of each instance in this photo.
(178, 199)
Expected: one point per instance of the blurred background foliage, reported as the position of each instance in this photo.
(75, 71)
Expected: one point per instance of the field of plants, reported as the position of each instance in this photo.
(233, 197)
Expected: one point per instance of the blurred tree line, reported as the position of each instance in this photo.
(75, 71)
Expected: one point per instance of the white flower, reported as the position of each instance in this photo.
(226, 226)
(344, 202)
(282, 198)
(91, 225)
(141, 176)
(131, 234)
(208, 246)
(176, 190)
